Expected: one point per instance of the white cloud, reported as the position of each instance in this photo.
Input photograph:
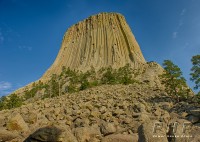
(5, 88)
(25, 47)
(5, 85)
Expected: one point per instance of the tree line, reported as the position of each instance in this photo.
(74, 81)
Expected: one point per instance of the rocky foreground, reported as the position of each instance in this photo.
(108, 113)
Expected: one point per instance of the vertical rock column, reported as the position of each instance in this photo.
(101, 40)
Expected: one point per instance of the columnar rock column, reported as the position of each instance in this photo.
(101, 40)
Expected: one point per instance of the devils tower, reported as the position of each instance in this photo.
(100, 41)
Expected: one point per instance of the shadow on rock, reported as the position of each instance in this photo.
(46, 134)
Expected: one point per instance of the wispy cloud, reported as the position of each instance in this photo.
(9, 35)
(175, 33)
(23, 47)
(5, 88)
(186, 45)
(183, 12)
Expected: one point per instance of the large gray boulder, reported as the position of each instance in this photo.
(51, 134)
(152, 131)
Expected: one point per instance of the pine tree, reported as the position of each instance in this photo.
(3, 101)
(124, 74)
(14, 101)
(174, 82)
(109, 76)
(195, 75)
(54, 86)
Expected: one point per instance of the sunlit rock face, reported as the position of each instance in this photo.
(100, 41)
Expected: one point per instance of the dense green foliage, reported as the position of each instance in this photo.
(125, 75)
(174, 82)
(195, 76)
(109, 76)
(195, 71)
(3, 101)
(122, 75)
(12, 101)
(92, 78)
(32, 92)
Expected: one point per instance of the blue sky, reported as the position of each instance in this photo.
(31, 32)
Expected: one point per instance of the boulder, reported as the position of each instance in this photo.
(192, 118)
(179, 130)
(2, 121)
(121, 138)
(30, 117)
(165, 105)
(81, 122)
(87, 134)
(17, 123)
(6, 135)
(107, 128)
(194, 134)
(151, 132)
(143, 117)
(51, 134)
(165, 117)
(139, 107)
(157, 112)
(195, 112)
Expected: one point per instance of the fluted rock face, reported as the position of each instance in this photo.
(101, 40)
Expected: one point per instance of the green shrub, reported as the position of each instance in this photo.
(14, 101)
(109, 76)
(3, 103)
(71, 88)
(94, 83)
(84, 84)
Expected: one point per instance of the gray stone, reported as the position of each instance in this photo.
(107, 128)
(52, 134)
(195, 112)
(192, 118)
(140, 107)
(147, 133)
